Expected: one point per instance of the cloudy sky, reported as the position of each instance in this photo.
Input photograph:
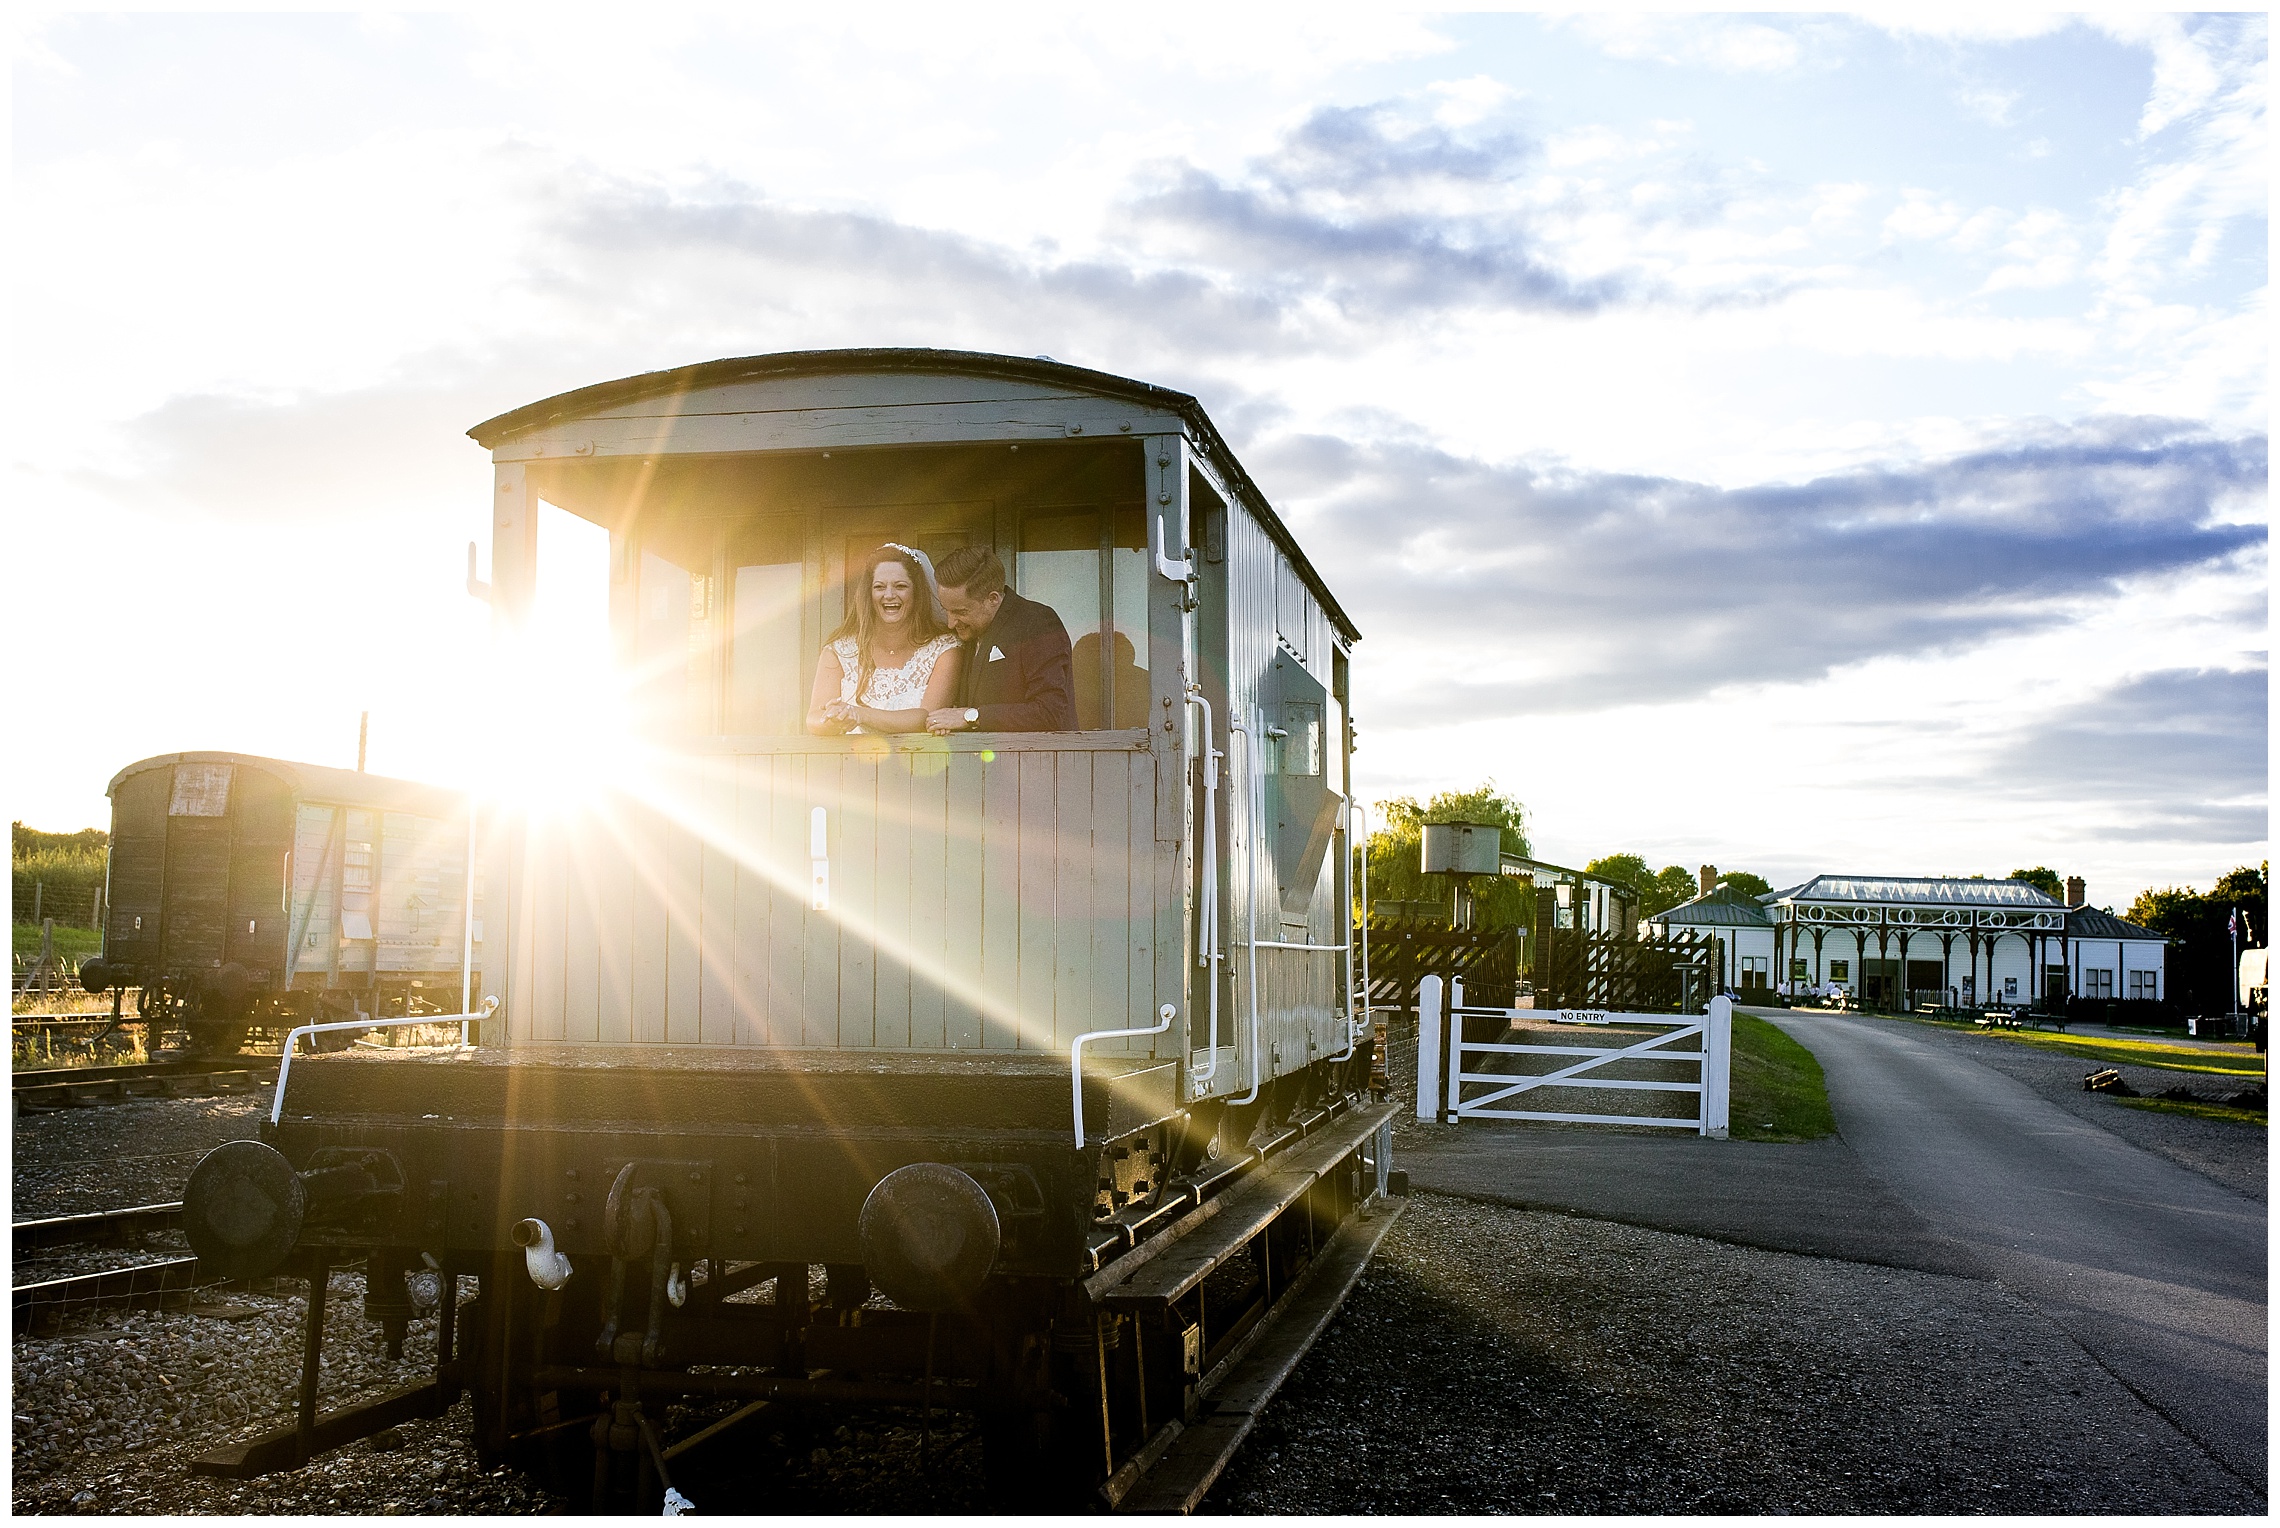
(1795, 443)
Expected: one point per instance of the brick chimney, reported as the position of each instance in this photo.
(2076, 890)
(1709, 879)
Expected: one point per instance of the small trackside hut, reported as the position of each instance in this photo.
(247, 892)
(1015, 1072)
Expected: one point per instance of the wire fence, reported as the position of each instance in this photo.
(73, 903)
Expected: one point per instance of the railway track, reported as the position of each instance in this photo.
(148, 1283)
(83, 1086)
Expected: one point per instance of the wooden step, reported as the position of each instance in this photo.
(1179, 1478)
(1243, 1212)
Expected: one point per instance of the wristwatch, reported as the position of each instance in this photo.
(973, 716)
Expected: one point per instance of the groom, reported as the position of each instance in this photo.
(1015, 676)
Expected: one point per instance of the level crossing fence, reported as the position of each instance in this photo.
(1450, 1089)
(1404, 951)
(1584, 969)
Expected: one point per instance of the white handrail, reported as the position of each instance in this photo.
(1164, 1018)
(1258, 782)
(1355, 1025)
(285, 1062)
(1179, 572)
(1208, 919)
(467, 921)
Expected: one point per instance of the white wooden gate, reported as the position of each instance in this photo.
(1448, 1092)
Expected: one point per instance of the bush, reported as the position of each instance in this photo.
(60, 872)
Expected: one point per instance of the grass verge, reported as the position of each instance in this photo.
(2234, 1116)
(1778, 1090)
(2114, 1051)
(74, 944)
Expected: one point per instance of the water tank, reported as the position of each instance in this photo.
(1463, 848)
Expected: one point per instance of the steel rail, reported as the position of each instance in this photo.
(99, 1226)
(136, 1284)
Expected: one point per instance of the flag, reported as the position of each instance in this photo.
(2232, 923)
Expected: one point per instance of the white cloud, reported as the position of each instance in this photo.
(239, 361)
(1731, 46)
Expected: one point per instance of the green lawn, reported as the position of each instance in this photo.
(73, 944)
(1778, 1092)
(2254, 1117)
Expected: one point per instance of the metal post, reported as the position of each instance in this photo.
(1456, 1044)
(1429, 1048)
(1717, 1066)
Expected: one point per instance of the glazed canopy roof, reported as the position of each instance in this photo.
(1920, 890)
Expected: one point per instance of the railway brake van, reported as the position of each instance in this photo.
(1015, 1072)
(249, 893)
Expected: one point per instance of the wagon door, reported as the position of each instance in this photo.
(195, 915)
(137, 883)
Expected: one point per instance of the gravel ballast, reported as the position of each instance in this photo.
(1492, 1359)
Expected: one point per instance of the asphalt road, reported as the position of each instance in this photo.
(2158, 1272)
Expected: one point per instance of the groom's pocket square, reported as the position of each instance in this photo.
(996, 654)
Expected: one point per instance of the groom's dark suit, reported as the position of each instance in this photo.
(1017, 672)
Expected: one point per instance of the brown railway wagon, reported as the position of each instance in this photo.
(983, 1023)
(249, 892)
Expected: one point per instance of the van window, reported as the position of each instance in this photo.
(764, 670)
(1091, 565)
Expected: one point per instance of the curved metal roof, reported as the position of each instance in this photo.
(1922, 890)
(583, 401)
(1721, 907)
(321, 783)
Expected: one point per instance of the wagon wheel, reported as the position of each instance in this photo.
(217, 1025)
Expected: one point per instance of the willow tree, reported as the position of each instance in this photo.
(1397, 850)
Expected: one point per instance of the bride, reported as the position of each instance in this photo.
(891, 661)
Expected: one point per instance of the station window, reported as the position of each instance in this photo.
(1840, 970)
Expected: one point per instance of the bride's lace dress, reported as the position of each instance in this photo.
(895, 689)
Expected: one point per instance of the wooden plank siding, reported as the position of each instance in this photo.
(1007, 903)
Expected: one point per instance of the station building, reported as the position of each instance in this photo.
(1901, 941)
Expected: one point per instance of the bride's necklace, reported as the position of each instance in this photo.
(886, 655)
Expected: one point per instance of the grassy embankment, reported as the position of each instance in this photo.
(1778, 1091)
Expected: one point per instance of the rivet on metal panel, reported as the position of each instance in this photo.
(1126, 427)
(740, 1177)
(696, 1177)
(1076, 429)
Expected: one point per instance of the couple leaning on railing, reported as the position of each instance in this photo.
(942, 651)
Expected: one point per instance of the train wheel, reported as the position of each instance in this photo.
(217, 1025)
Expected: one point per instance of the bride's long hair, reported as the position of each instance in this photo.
(862, 619)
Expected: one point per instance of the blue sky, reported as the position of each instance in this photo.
(1779, 441)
